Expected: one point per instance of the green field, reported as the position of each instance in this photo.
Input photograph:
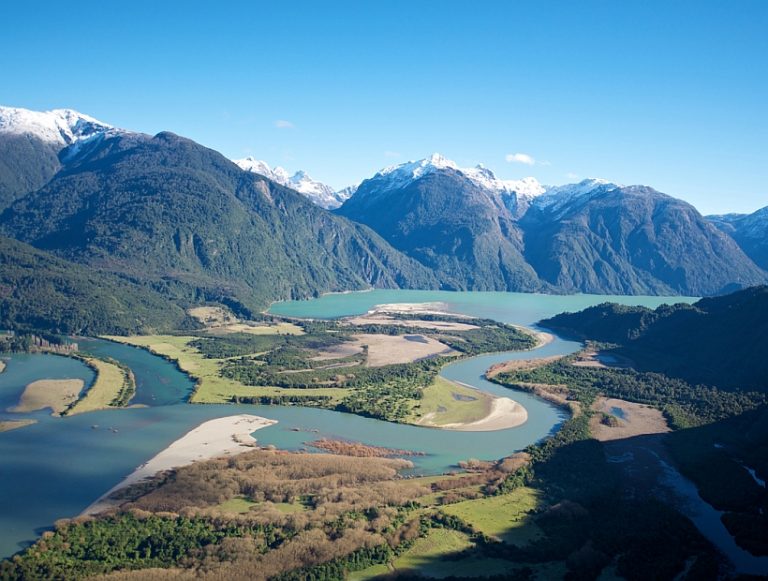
(429, 557)
(211, 386)
(446, 402)
(110, 380)
(237, 505)
(506, 517)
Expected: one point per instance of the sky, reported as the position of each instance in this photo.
(671, 94)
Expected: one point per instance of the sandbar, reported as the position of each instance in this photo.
(227, 436)
(8, 425)
(435, 308)
(57, 394)
(505, 413)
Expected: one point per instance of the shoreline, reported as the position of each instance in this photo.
(505, 413)
(227, 436)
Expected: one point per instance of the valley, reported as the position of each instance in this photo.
(435, 539)
(354, 291)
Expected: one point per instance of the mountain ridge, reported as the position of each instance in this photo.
(594, 236)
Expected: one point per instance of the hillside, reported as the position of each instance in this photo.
(719, 341)
(167, 210)
(631, 240)
(750, 231)
(40, 291)
(30, 145)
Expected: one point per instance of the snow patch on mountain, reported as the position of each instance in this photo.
(318, 192)
(59, 127)
(556, 198)
(405, 173)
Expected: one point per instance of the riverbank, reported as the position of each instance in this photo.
(505, 413)
(226, 436)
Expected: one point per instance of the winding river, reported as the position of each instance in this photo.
(58, 466)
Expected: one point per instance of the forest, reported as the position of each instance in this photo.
(718, 341)
(683, 404)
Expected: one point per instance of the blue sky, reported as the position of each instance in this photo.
(669, 94)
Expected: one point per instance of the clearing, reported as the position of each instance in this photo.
(618, 419)
(506, 517)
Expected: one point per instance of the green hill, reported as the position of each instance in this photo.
(719, 341)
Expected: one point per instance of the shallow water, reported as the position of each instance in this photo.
(57, 467)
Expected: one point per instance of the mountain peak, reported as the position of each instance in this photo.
(61, 127)
(319, 193)
(404, 173)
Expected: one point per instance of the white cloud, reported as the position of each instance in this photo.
(391, 154)
(523, 158)
(283, 124)
(572, 176)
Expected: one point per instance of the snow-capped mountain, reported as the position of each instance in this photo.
(556, 198)
(59, 127)
(35, 144)
(319, 193)
(405, 173)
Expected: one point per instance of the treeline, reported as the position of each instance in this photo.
(385, 392)
(684, 405)
(718, 341)
(304, 400)
(12, 342)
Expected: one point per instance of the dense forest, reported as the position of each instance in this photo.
(39, 291)
(718, 341)
(685, 405)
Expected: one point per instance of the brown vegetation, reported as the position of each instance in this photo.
(519, 365)
(332, 483)
(359, 450)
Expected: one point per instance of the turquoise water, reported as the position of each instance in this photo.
(23, 369)
(57, 467)
(519, 308)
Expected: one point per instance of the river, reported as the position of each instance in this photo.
(57, 467)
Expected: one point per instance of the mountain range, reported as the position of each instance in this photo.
(183, 219)
(481, 233)
(171, 216)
